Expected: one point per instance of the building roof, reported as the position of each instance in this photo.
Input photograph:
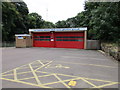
(58, 29)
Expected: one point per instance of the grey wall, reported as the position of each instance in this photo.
(93, 44)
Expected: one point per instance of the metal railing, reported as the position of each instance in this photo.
(7, 44)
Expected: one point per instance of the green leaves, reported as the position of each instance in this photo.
(101, 18)
(14, 19)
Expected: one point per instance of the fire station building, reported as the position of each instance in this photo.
(59, 37)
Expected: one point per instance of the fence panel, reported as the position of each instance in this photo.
(93, 44)
(8, 44)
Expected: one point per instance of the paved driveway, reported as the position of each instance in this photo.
(57, 68)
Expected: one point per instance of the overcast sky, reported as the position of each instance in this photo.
(55, 10)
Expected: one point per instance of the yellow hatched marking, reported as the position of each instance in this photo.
(26, 83)
(55, 74)
(24, 72)
(15, 74)
(7, 74)
(7, 71)
(89, 82)
(40, 62)
(48, 66)
(26, 78)
(61, 81)
(56, 66)
(46, 75)
(43, 66)
(41, 71)
(22, 66)
(36, 77)
(68, 75)
(87, 64)
(96, 79)
(33, 62)
(25, 65)
(106, 85)
(28, 67)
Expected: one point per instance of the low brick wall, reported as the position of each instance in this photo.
(111, 50)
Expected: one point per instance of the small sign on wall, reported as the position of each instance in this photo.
(20, 37)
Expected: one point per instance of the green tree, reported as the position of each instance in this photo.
(103, 20)
(47, 24)
(35, 20)
(61, 24)
(14, 19)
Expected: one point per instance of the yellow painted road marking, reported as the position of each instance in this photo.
(41, 71)
(42, 86)
(7, 71)
(80, 77)
(56, 66)
(83, 57)
(87, 64)
(25, 65)
(61, 81)
(73, 79)
(15, 74)
(107, 85)
(96, 79)
(55, 74)
(33, 62)
(47, 66)
(89, 82)
(67, 75)
(40, 62)
(28, 67)
(26, 78)
(43, 66)
(72, 83)
(61, 66)
(36, 77)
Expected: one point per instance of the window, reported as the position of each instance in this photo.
(69, 37)
(68, 40)
(42, 38)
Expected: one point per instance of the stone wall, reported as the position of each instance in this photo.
(111, 50)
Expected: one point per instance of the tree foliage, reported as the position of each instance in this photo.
(14, 19)
(101, 19)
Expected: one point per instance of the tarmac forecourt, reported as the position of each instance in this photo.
(48, 74)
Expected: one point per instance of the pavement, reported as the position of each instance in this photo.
(58, 68)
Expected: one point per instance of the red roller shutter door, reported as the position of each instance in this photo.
(59, 39)
(69, 40)
(41, 39)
